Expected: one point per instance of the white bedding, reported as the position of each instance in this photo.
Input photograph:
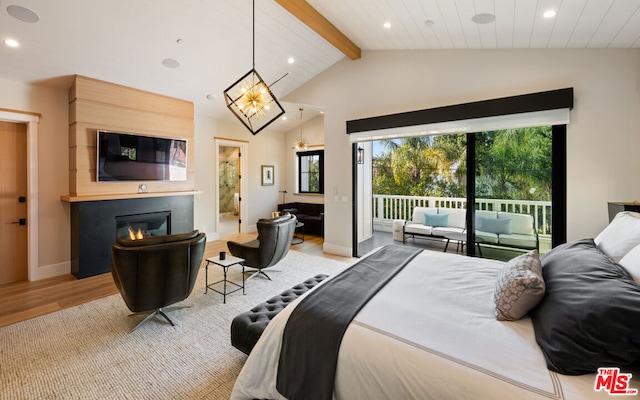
(429, 334)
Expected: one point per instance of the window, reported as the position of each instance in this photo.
(311, 171)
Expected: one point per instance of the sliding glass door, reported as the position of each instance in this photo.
(508, 175)
(513, 191)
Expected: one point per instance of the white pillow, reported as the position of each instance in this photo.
(620, 236)
(631, 262)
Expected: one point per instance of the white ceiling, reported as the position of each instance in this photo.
(125, 42)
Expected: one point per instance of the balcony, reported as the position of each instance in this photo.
(387, 208)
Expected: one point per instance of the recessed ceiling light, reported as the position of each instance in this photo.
(284, 118)
(170, 63)
(387, 25)
(428, 23)
(212, 97)
(549, 14)
(11, 42)
(291, 60)
(483, 18)
(23, 14)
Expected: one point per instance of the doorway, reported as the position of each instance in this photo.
(230, 163)
(13, 203)
(509, 174)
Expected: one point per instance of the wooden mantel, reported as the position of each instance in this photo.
(98, 197)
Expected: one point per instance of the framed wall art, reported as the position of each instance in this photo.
(267, 175)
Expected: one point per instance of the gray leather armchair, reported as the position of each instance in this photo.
(272, 244)
(156, 272)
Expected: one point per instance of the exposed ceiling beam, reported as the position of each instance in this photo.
(319, 24)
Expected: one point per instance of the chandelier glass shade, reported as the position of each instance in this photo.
(300, 144)
(250, 98)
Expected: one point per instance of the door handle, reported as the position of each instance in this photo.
(21, 221)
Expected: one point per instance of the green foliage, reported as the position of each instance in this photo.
(511, 164)
(514, 164)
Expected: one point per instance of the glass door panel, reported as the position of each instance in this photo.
(513, 181)
(427, 172)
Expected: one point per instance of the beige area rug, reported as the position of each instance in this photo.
(87, 352)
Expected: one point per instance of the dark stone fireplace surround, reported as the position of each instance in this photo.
(93, 227)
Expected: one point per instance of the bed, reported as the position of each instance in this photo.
(431, 332)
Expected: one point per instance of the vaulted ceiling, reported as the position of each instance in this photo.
(190, 49)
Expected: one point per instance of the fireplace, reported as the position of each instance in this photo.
(95, 226)
(139, 226)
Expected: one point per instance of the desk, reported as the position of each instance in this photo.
(225, 264)
(461, 238)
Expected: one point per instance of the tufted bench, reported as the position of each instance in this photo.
(247, 327)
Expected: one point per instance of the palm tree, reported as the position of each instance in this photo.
(415, 163)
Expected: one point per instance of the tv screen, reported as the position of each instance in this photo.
(131, 157)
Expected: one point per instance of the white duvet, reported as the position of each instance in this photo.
(429, 334)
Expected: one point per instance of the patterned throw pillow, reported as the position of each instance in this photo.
(519, 288)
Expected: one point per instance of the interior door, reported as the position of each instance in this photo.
(13, 202)
(229, 190)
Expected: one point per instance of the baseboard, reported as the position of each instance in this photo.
(337, 250)
(49, 271)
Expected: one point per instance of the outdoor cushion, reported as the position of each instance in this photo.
(520, 223)
(419, 229)
(487, 237)
(418, 213)
(494, 225)
(443, 230)
(485, 214)
(457, 216)
(436, 220)
(526, 241)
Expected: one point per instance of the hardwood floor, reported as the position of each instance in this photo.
(24, 300)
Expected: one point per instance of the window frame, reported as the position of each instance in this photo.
(299, 156)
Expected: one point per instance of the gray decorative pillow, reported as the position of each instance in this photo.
(519, 288)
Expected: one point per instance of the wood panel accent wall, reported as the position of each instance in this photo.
(94, 105)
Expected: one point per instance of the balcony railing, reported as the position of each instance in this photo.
(387, 208)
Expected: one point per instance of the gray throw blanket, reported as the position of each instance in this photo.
(314, 331)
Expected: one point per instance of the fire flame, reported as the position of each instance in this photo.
(135, 235)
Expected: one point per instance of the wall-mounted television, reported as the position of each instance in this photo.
(133, 157)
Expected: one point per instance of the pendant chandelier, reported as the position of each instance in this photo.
(250, 98)
(300, 144)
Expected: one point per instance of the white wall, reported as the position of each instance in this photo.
(602, 140)
(603, 137)
(265, 148)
